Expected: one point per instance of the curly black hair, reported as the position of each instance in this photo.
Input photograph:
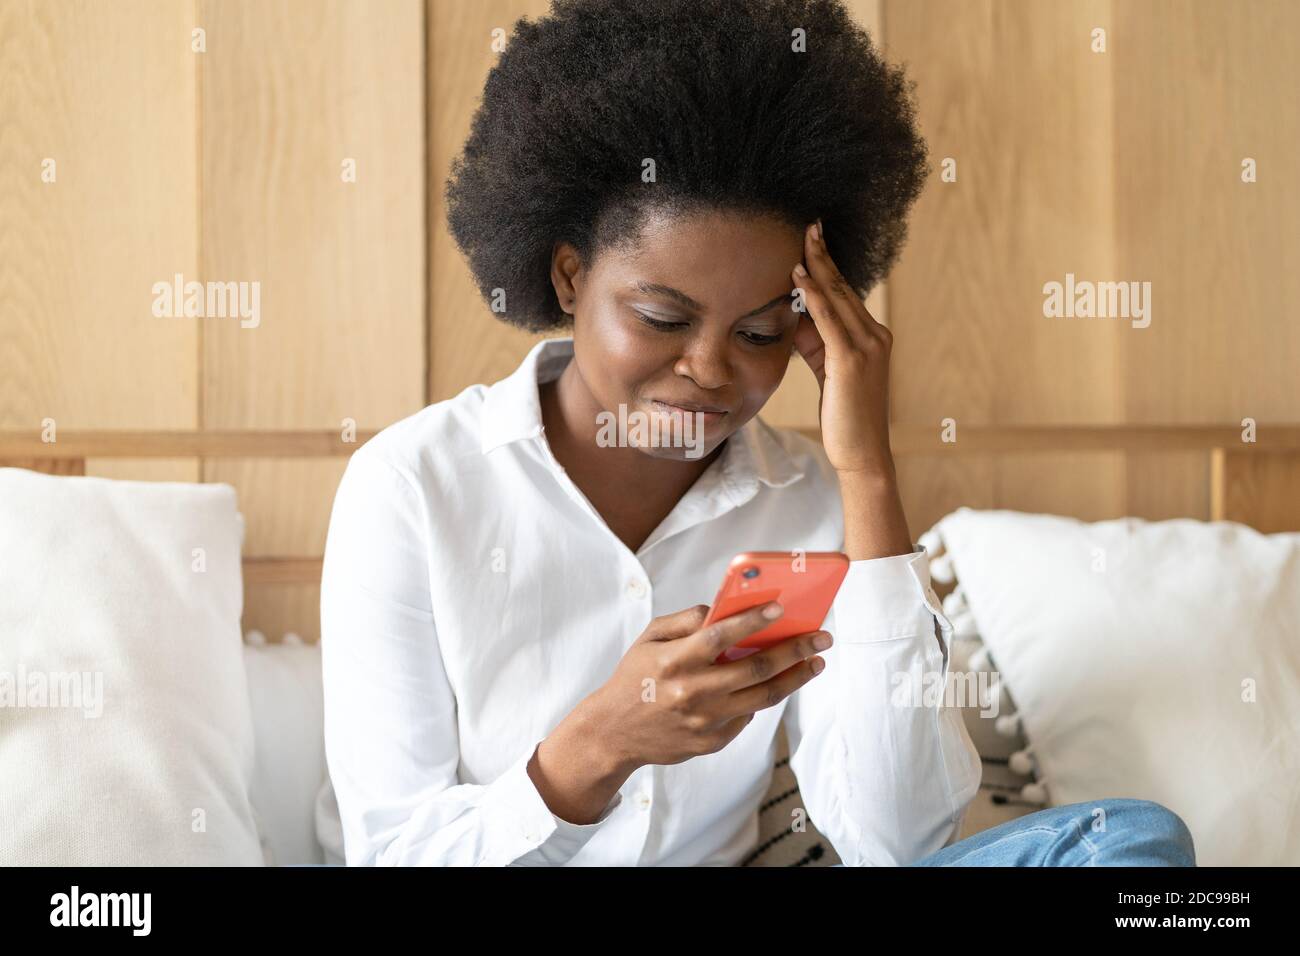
(718, 95)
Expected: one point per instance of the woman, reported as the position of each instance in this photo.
(516, 668)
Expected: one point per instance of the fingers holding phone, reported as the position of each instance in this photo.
(693, 680)
(747, 679)
(668, 701)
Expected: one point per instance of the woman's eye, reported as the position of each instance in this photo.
(659, 324)
(753, 338)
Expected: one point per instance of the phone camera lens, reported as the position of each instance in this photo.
(749, 572)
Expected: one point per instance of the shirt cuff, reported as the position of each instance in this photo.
(885, 599)
(515, 805)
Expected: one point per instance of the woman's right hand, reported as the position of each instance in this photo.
(668, 701)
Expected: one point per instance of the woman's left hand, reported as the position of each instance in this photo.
(848, 351)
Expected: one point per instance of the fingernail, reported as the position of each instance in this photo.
(822, 641)
(799, 270)
(772, 612)
(817, 665)
(817, 230)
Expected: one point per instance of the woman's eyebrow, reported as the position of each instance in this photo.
(682, 299)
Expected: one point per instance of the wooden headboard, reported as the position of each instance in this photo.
(1256, 484)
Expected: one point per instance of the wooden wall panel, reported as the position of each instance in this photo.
(288, 92)
(145, 469)
(931, 487)
(1123, 165)
(280, 609)
(1260, 489)
(107, 93)
(1167, 485)
(1010, 90)
(225, 165)
(1206, 85)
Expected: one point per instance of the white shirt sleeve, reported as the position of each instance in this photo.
(886, 771)
(391, 740)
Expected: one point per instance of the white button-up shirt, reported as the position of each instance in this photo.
(472, 597)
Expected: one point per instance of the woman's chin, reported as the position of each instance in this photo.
(701, 446)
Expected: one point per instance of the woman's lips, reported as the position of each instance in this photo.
(708, 417)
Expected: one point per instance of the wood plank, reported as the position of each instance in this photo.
(1261, 490)
(1206, 85)
(280, 523)
(289, 92)
(340, 264)
(908, 440)
(1012, 93)
(260, 572)
(278, 609)
(1168, 484)
(47, 466)
(231, 443)
(107, 93)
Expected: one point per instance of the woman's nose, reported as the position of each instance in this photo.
(706, 365)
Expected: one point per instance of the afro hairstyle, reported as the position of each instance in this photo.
(719, 94)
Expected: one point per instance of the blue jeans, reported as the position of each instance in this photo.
(1129, 833)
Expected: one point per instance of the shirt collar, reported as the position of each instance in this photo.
(512, 410)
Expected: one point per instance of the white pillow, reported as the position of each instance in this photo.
(284, 683)
(1133, 649)
(123, 598)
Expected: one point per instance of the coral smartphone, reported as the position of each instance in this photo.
(804, 582)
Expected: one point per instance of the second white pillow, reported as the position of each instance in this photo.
(1158, 660)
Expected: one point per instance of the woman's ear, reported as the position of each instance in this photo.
(565, 265)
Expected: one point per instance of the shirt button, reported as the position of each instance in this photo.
(643, 801)
(636, 588)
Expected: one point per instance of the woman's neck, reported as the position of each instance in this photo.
(632, 491)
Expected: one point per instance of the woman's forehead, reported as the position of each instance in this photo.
(700, 261)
